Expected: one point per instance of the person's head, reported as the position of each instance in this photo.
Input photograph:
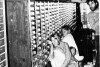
(65, 30)
(93, 4)
(54, 40)
(57, 36)
(73, 51)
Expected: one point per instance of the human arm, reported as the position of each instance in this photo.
(51, 50)
(67, 55)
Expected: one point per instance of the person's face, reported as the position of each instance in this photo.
(64, 32)
(57, 38)
(92, 5)
(54, 41)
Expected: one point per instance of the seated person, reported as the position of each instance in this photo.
(68, 38)
(60, 54)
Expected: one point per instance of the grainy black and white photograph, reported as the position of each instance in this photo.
(49, 33)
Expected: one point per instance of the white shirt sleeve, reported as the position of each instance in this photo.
(70, 40)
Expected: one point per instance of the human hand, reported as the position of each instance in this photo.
(79, 58)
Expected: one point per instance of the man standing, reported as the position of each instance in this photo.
(93, 16)
(93, 21)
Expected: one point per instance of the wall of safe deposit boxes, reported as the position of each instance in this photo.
(46, 18)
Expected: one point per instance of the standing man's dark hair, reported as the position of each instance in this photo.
(93, 1)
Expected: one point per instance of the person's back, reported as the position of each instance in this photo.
(70, 40)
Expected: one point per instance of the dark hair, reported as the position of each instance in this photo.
(95, 1)
(66, 27)
(53, 35)
(58, 35)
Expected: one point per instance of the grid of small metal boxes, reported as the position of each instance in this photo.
(3, 43)
(45, 18)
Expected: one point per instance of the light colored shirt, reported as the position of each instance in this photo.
(70, 40)
(58, 59)
(67, 53)
(61, 55)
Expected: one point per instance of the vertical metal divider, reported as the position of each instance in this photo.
(36, 24)
(44, 23)
(64, 13)
(48, 21)
(41, 6)
(58, 14)
(40, 22)
(30, 24)
(5, 39)
(53, 18)
(49, 18)
(45, 18)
